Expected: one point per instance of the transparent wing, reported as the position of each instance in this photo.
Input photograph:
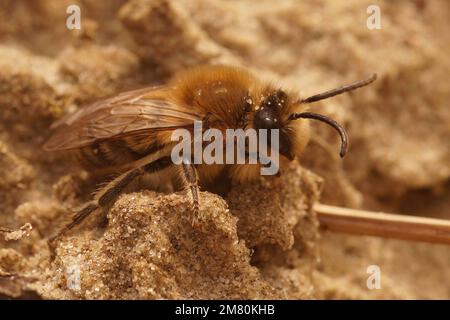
(128, 113)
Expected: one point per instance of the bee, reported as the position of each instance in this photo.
(131, 132)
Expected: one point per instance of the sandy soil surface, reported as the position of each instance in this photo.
(257, 241)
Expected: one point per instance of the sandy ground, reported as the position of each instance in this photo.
(260, 240)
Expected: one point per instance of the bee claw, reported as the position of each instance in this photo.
(195, 222)
(52, 247)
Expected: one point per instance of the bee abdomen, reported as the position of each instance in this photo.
(108, 153)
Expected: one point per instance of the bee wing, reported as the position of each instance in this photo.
(139, 111)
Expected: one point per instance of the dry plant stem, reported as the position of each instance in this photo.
(344, 220)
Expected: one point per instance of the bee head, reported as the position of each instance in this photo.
(271, 114)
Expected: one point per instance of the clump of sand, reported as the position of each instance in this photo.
(246, 249)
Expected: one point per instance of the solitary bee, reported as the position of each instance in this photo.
(131, 132)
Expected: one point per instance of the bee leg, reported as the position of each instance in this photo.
(107, 196)
(191, 182)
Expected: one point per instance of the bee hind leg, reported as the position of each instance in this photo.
(106, 196)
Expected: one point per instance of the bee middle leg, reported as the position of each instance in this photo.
(190, 180)
(108, 195)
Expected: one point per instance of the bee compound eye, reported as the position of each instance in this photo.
(264, 119)
(267, 117)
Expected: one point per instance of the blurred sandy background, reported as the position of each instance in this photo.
(399, 157)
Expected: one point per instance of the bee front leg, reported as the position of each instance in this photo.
(107, 196)
(190, 179)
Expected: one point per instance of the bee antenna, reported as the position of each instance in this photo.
(330, 122)
(346, 88)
